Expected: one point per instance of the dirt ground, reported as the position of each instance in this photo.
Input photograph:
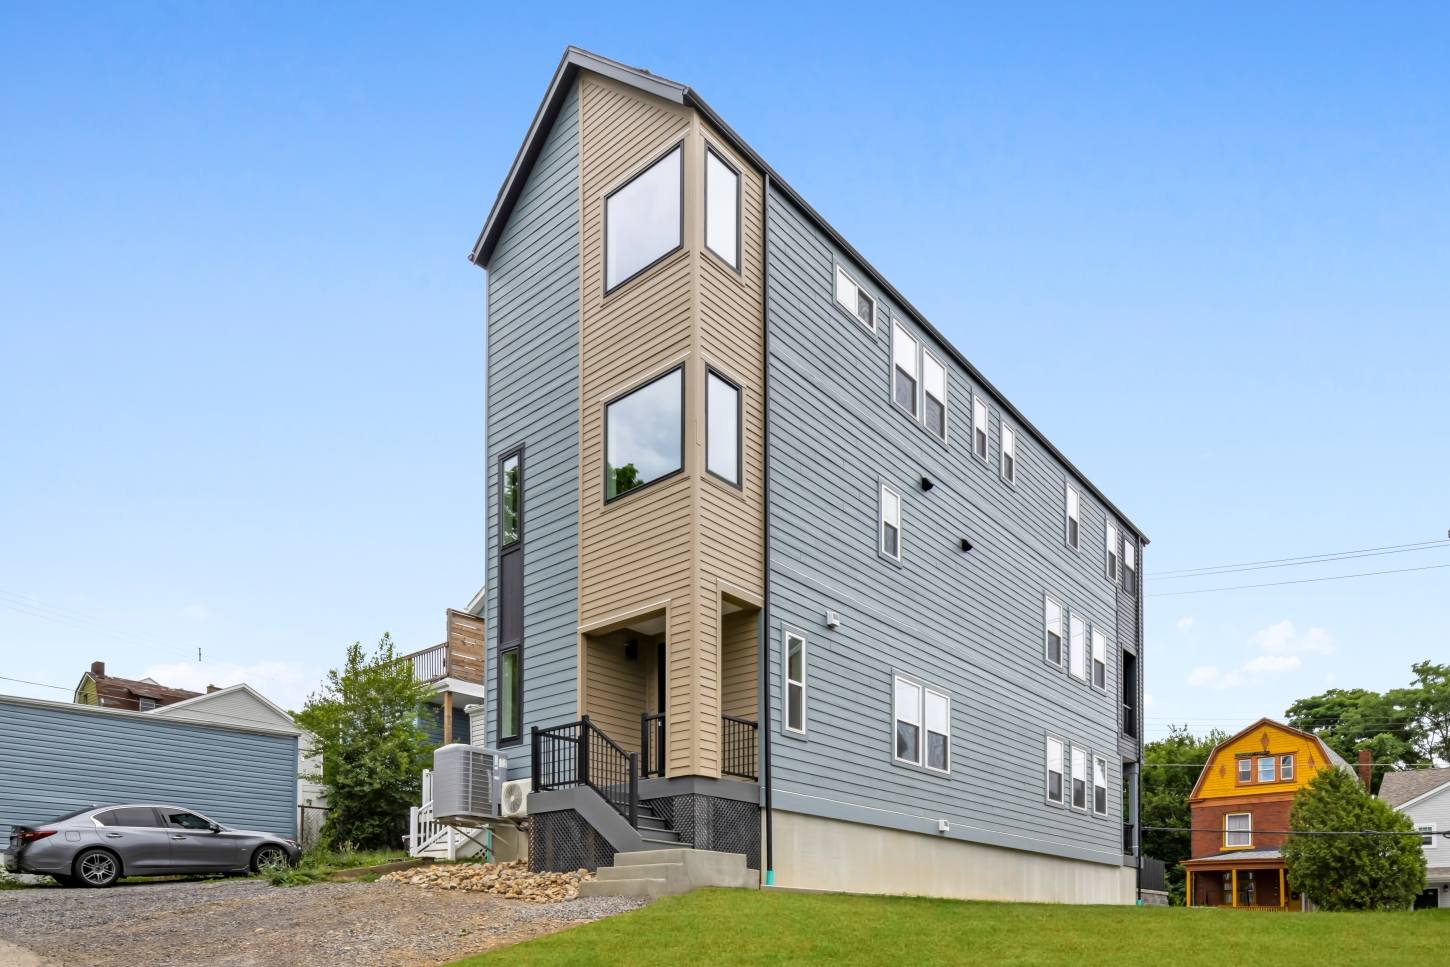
(247, 922)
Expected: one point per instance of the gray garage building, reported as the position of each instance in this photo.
(57, 757)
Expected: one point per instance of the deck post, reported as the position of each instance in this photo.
(447, 717)
(1283, 896)
(1188, 888)
(1234, 881)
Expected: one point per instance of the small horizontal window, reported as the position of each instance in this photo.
(854, 299)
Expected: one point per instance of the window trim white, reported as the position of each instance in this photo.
(604, 217)
(1292, 767)
(979, 405)
(1047, 600)
(842, 272)
(787, 682)
(946, 379)
(1096, 635)
(1096, 760)
(896, 682)
(927, 731)
(1110, 564)
(898, 331)
(1063, 796)
(1247, 831)
(1072, 508)
(1074, 649)
(1008, 450)
(1426, 831)
(881, 522)
(711, 150)
(1075, 752)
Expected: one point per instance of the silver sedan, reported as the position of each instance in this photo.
(96, 847)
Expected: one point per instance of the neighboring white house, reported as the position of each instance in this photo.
(1424, 796)
(244, 705)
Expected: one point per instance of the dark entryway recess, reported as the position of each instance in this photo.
(511, 597)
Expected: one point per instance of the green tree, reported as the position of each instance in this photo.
(1164, 792)
(373, 751)
(1429, 702)
(1351, 872)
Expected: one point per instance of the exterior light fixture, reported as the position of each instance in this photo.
(926, 483)
(966, 544)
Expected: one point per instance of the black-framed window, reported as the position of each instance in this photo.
(508, 493)
(722, 427)
(644, 219)
(510, 694)
(722, 208)
(644, 434)
(512, 515)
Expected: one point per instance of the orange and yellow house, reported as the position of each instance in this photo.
(1240, 808)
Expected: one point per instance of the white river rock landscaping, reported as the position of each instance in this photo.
(512, 881)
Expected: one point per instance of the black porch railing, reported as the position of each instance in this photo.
(651, 745)
(739, 747)
(579, 754)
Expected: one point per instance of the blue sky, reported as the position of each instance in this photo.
(241, 351)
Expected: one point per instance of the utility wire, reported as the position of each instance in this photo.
(1275, 584)
(1297, 832)
(40, 684)
(1295, 561)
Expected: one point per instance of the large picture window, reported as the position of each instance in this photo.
(642, 220)
(644, 433)
(795, 683)
(903, 374)
(722, 209)
(722, 427)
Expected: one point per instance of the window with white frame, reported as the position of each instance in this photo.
(979, 428)
(934, 394)
(1112, 545)
(1054, 770)
(908, 721)
(1079, 778)
(795, 682)
(1130, 573)
(1266, 769)
(722, 427)
(1238, 830)
(1427, 835)
(938, 731)
(1077, 646)
(890, 522)
(1009, 454)
(1053, 622)
(722, 209)
(854, 299)
(1246, 769)
(1073, 511)
(903, 369)
(642, 220)
(1286, 767)
(1100, 785)
(1100, 659)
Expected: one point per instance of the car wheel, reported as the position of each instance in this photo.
(269, 858)
(97, 868)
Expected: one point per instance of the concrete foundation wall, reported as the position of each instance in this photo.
(828, 854)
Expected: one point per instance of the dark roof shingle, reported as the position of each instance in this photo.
(1400, 787)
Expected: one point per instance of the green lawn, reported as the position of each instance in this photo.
(711, 927)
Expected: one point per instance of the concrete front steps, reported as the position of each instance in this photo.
(669, 872)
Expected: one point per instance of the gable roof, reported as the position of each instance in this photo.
(109, 686)
(200, 708)
(1399, 788)
(1330, 756)
(572, 62)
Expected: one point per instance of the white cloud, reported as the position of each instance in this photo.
(194, 611)
(1202, 675)
(1185, 623)
(285, 683)
(1229, 680)
(1272, 663)
(1283, 639)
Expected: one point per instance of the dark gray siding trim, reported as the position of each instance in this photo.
(59, 758)
(533, 401)
(969, 623)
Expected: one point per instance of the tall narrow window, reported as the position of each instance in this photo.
(795, 683)
(511, 526)
(642, 220)
(1072, 517)
(903, 373)
(644, 434)
(509, 509)
(722, 427)
(979, 428)
(1100, 785)
(1079, 778)
(722, 209)
(938, 730)
(1077, 646)
(908, 721)
(1112, 545)
(1009, 454)
(890, 523)
(1238, 830)
(1100, 659)
(1286, 767)
(510, 682)
(1266, 769)
(1054, 770)
(1054, 632)
(1246, 770)
(854, 299)
(934, 394)
(1130, 573)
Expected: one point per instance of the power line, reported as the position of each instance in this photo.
(40, 684)
(1295, 561)
(1301, 832)
(1275, 584)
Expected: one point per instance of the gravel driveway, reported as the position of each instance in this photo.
(244, 922)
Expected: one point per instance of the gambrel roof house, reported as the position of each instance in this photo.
(787, 564)
(1424, 796)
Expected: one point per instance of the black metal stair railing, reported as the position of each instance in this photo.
(651, 744)
(580, 754)
(739, 747)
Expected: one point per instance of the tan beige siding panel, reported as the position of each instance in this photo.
(616, 696)
(739, 669)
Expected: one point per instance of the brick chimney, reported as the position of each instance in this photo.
(1364, 768)
(98, 669)
(212, 688)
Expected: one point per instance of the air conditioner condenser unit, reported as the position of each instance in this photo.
(467, 784)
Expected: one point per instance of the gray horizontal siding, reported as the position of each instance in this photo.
(967, 623)
(533, 400)
(62, 758)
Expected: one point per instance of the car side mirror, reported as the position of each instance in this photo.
(214, 827)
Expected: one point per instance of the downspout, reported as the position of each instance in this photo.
(766, 640)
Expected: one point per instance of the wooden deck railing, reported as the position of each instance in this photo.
(442, 661)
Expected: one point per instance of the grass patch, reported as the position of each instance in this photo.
(748, 927)
(317, 865)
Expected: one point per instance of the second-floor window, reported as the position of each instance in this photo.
(1286, 767)
(1009, 454)
(979, 428)
(1266, 769)
(934, 394)
(1100, 785)
(722, 209)
(795, 683)
(1077, 646)
(644, 434)
(1054, 632)
(1427, 835)
(642, 220)
(890, 523)
(903, 370)
(1079, 778)
(1238, 830)
(722, 427)
(854, 299)
(509, 501)
(1073, 512)
(1100, 659)
(1112, 544)
(1054, 770)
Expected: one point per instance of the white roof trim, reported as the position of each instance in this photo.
(243, 687)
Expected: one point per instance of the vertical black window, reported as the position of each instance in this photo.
(722, 427)
(1130, 694)
(644, 434)
(642, 220)
(795, 683)
(722, 209)
(510, 597)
